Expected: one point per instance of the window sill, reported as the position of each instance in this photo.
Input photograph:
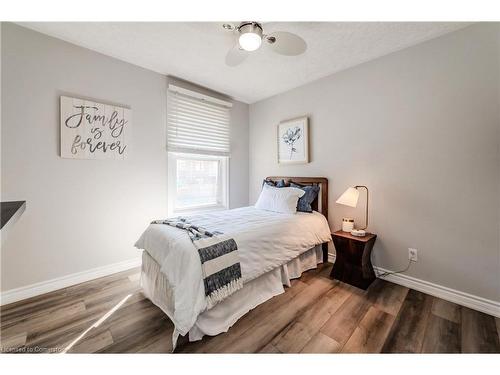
(199, 210)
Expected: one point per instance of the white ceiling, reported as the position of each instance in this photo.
(195, 51)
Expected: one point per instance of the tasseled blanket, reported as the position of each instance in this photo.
(219, 260)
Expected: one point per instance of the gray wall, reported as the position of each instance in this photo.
(238, 163)
(420, 128)
(82, 214)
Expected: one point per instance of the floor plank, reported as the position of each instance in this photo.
(300, 332)
(270, 349)
(344, 321)
(69, 330)
(497, 320)
(446, 310)
(50, 318)
(387, 297)
(442, 336)
(294, 338)
(321, 343)
(323, 270)
(160, 343)
(371, 333)
(407, 332)
(339, 295)
(479, 333)
(13, 342)
(93, 343)
(138, 339)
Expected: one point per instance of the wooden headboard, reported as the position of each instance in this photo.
(321, 203)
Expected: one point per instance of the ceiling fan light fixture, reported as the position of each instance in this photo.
(250, 36)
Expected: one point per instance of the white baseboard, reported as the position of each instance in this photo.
(461, 298)
(465, 299)
(43, 287)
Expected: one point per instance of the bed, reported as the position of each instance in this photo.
(273, 249)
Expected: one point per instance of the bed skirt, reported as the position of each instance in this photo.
(222, 316)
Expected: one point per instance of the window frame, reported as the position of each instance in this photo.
(223, 185)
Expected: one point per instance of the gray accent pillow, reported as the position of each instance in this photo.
(279, 184)
(311, 193)
(268, 182)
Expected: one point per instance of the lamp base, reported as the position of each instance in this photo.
(358, 232)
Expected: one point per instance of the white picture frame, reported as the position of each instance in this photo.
(293, 141)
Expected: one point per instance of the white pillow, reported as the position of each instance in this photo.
(283, 200)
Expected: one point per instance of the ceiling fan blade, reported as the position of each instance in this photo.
(286, 43)
(236, 55)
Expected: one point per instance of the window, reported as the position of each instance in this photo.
(197, 182)
(198, 152)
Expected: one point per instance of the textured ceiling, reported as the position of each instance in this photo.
(195, 51)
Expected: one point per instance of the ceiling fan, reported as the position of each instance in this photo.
(250, 37)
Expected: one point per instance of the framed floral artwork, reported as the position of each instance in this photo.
(293, 141)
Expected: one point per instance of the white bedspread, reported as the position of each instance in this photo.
(265, 239)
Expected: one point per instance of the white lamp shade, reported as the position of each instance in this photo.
(349, 198)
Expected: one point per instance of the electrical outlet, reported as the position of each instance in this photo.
(412, 254)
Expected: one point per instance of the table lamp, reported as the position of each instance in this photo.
(350, 198)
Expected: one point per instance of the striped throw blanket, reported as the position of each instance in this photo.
(219, 260)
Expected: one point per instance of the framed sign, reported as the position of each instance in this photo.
(293, 141)
(91, 130)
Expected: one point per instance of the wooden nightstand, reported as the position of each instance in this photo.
(352, 263)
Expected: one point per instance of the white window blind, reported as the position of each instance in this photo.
(197, 123)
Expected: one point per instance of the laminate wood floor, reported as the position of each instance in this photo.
(315, 315)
